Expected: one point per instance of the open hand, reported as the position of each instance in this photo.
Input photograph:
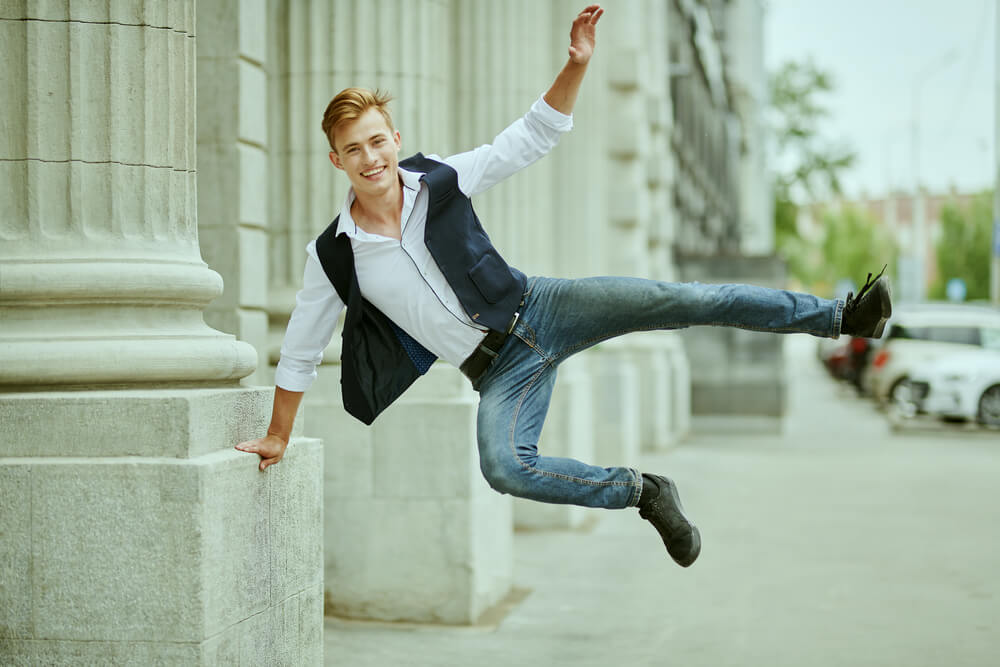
(582, 34)
(270, 448)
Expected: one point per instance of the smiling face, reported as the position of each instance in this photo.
(367, 150)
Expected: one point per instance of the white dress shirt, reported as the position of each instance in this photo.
(400, 278)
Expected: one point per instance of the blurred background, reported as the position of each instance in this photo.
(883, 118)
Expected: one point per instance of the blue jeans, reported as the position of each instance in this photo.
(562, 317)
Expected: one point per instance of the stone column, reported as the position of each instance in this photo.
(412, 531)
(506, 66)
(617, 380)
(103, 282)
(580, 162)
(680, 392)
(566, 222)
(133, 532)
(233, 175)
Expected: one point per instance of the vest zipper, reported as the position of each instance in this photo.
(431, 288)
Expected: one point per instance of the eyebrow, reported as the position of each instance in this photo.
(357, 143)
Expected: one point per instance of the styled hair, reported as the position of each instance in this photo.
(349, 104)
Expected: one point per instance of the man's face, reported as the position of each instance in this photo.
(368, 152)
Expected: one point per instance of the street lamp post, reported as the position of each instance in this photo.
(995, 254)
(918, 289)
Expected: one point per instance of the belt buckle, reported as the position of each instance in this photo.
(513, 322)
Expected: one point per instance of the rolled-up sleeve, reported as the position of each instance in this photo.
(523, 142)
(317, 307)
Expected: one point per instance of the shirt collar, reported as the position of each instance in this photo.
(411, 183)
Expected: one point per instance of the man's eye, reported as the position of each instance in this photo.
(379, 141)
(351, 151)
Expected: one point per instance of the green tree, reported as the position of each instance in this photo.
(963, 250)
(855, 243)
(807, 167)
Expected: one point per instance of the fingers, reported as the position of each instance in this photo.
(590, 13)
(264, 463)
(249, 446)
(268, 452)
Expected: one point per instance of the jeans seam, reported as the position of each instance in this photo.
(532, 343)
(546, 473)
(838, 315)
(637, 491)
(664, 327)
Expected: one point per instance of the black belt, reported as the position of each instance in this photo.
(488, 350)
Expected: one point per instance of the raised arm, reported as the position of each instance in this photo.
(582, 36)
(529, 138)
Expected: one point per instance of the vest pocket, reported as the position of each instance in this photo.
(491, 276)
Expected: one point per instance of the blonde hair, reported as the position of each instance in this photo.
(349, 104)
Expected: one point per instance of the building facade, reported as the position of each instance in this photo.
(152, 147)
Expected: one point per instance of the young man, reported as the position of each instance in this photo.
(420, 279)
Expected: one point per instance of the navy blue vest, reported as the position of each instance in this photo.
(379, 360)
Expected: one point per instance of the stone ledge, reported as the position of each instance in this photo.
(158, 423)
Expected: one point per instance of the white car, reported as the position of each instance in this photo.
(960, 386)
(918, 335)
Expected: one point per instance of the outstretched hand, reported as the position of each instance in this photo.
(270, 448)
(582, 34)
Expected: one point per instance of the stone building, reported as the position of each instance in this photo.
(152, 149)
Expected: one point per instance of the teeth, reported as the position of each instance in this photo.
(372, 172)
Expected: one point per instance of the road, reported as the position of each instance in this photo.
(839, 542)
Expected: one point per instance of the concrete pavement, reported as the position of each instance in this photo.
(837, 543)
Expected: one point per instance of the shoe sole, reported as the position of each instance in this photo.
(692, 554)
(885, 299)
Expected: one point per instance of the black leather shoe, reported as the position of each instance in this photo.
(865, 315)
(664, 511)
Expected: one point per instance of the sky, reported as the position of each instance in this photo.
(884, 55)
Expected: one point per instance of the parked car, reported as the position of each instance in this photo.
(846, 358)
(917, 335)
(963, 386)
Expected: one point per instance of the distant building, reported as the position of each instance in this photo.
(904, 215)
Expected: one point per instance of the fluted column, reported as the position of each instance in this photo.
(506, 64)
(579, 192)
(233, 174)
(565, 224)
(101, 278)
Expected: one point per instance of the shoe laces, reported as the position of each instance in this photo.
(853, 301)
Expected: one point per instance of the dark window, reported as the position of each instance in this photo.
(961, 335)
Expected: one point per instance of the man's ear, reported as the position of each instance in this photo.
(335, 159)
(396, 137)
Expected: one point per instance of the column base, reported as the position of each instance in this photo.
(568, 433)
(191, 556)
(680, 394)
(413, 532)
(655, 389)
(616, 405)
